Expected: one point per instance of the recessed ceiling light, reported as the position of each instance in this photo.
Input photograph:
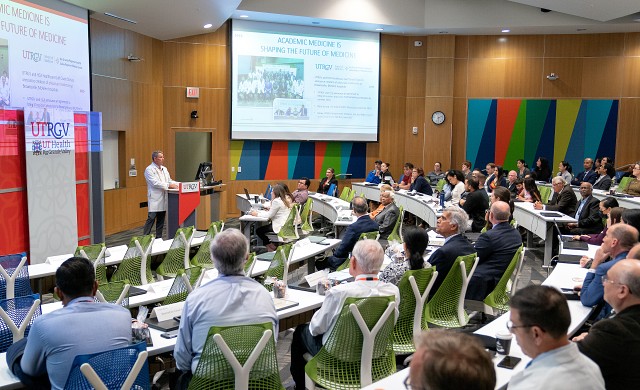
(506, 30)
(208, 25)
(244, 16)
(379, 29)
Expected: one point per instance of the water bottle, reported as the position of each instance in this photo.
(442, 199)
(117, 183)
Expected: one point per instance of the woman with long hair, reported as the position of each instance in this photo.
(530, 193)
(497, 180)
(278, 212)
(633, 188)
(419, 183)
(326, 182)
(456, 179)
(609, 208)
(415, 243)
(503, 194)
(523, 169)
(543, 169)
(564, 171)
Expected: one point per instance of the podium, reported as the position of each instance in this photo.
(193, 205)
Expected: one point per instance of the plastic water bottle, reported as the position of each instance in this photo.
(442, 199)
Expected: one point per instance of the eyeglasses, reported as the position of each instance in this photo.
(511, 326)
(605, 279)
(409, 386)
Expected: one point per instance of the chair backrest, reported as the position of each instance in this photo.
(624, 182)
(122, 368)
(267, 192)
(362, 333)
(369, 236)
(333, 189)
(249, 264)
(414, 286)
(136, 266)
(289, 231)
(346, 192)
(517, 274)
(499, 297)
(95, 253)
(113, 292)
(446, 307)
(178, 255)
(396, 233)
(279, 266)
(440, 185)
(238, 357)
(545, 193)
(203, 257)
(14, 276)
(351, 195)
(305, 216)
(17, 316)
(183, 284)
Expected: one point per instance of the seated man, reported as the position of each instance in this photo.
(475, 205)
(82, 326)
(620, 238)
(588, 175)
(404, 182)
(451, 224)
(588, 213)
(366, 260)
(495, 248)
(230, 299)
(563, 199)
(614, 343)
(450, 360)
(540, 319)
(363, 224)
(301, 194)
(374, 174)
(512, 179)
(386, 219)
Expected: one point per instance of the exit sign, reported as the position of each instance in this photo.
(193, 92)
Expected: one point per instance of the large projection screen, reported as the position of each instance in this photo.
(303, 83)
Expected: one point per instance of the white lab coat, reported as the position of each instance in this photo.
(158, 180)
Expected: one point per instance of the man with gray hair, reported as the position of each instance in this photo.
(451, 224)
(158, 182)
(563, 200)
(366, 260)
(230, 299)
(496, 248)
(386, 218)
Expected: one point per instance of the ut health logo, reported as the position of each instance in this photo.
(31, 55)
(36, 147)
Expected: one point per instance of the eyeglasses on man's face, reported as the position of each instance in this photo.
(511, 326)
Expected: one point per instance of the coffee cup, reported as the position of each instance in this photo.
(279, 289)
(503, 342)
(256, 198)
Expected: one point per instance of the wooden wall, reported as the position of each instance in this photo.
(147, 99)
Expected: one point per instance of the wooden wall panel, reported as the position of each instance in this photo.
(108, 54)
(142, 47)
(516, 46)
(441, 46)
(438, 138)
(459, 132)
(569, 83)
(485, 78)
(599, 84)
(392, 134)
(462, 46)
(460, 77)
(415, 52)
(413, 144)
(393, 73)
(440, 73)
(115, 216)
(113, 101)
(631, 83)
(523, 77)
(632, 44)
(628, 142)
(416, 77)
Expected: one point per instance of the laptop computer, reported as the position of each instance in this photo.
(164, 326)
(569, 243)
(551, 214)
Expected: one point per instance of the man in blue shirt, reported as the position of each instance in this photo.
(374, 175)
(81, 327)
(620, 238)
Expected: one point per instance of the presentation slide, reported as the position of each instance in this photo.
(44, 60)
(304, 83)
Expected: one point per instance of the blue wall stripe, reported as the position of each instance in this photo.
(478, 112)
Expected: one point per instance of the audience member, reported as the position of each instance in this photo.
(540, 319)
(523, 169)
(386, 177)
(374, 175)
(363, 224)
(456, 179)
(613, 215)
(498, 179)
(327, 181)
(386, 219)
(632, 217)
(564, 171)
(475, 205)
(490, 169)
(606, 173)
(614, 343)
(587, 175)
(450, 360)
(466, 169)
(597, 163)
(620, 238)
(633, 188)
(301, 194)
(230, 299)
(415, 241)
(496, 248)
(634, 253)
(512, 179)
(499, 194)
(450, 225)
(405, 179)
(481, 178)
(563, 200)
(419, 183)
(530, 193)
(437, 174)
(278, 213)
(542, 169)
(366, 260)
(588, 212)
(82, 326)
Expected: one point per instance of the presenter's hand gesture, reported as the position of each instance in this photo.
(173, 186)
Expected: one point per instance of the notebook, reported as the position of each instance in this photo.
(316, 239)
(550, 214)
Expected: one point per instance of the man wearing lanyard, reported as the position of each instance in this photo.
(366, 260)
(158, 182)
(81, 327)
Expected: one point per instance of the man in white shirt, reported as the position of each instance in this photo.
(158, 182)
(366, 260)
(540, 319)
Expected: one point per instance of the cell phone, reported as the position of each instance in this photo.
(170, 335)
(323, 243)
(509, 362)
(567, 290)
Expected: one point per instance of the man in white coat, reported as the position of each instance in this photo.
(158, 182)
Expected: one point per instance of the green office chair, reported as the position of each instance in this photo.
(203, 256)
(359, 350)
(113, 292)
(498, 300)
(279, 267)
(238, 357)
(178, 255)
(185, 281)
(249, 264)
(135, 268)
(440, 185)
(305, 217)
(545, 193)
(346, 192)
(446, 307)
(396, 233)
(364, 236)
(624, 183)
(95, 254)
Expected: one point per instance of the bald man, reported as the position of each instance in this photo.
(614, 343)
(495, 248)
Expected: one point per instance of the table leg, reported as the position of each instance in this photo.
(548, 245)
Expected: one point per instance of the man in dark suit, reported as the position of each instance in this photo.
(614, 343)
(563, 199)
(386, 219)
(589, 175)
(363, 224)
(511, 183)
(588, 213)
(451, 224)
(496, 248)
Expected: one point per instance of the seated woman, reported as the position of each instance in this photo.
(281, 204)
(633, 188)
(542, 169)
(565, 171)
(385, 175)
(456, 179)
(327, 181)
(419, 183)
(609, 208)
(530, 193)
(523, 169)
(504, 195)
(497, 179)
(415, 243)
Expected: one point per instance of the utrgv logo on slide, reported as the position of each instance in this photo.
(30, 55)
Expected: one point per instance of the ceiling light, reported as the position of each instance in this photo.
(208, 25)
(506, 30)
(244, 16)
(379, 29)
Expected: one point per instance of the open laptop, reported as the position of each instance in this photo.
(569, 243)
